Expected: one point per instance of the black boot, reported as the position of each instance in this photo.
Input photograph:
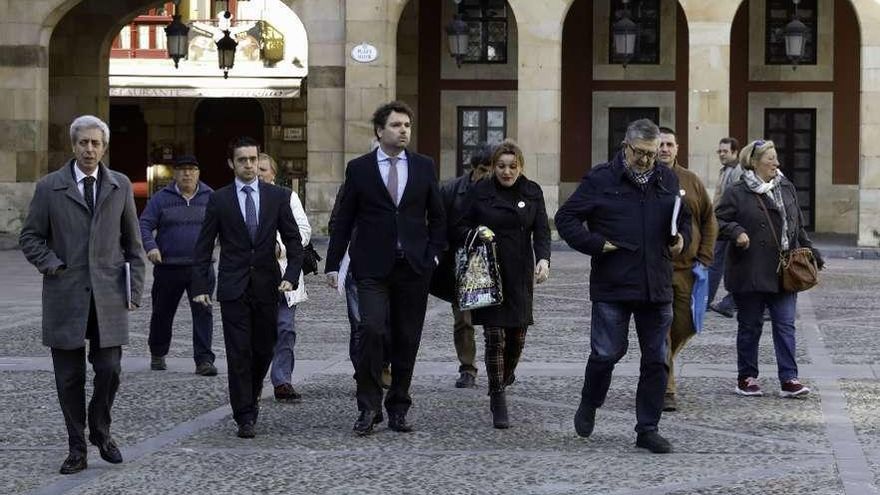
(498, 406)
(584, 419)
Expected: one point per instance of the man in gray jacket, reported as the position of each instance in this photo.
(82, 234)
(731, 172)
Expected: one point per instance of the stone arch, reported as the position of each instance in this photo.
(591, 86)
(828, 174)
(429, 79)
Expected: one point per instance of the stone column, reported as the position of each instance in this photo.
(325, 25)
(24, 62)
(539, 26)
(709, 24)
(868, 12)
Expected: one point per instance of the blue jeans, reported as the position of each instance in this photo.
(283, 360)
(608, 344)
(716, 273)
(750, 316)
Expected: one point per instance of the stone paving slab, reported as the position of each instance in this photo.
(176, 432)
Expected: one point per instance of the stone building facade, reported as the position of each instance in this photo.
(554, 88)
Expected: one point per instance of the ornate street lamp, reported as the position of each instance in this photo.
(795, 38)
(226, 48)
(177, 34)
(457, 34)
(625, 33)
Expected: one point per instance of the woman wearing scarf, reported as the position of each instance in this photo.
(512, 207)
(752, 270)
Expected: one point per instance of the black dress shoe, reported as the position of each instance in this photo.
(652, 441)
(466, 380)
(584, 419)
(397, 422)
(108, 450)
(364, 424)
(73, 464)
(246, 430)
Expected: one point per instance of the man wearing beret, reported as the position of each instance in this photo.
(170, 225)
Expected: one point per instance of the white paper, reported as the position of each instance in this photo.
(676, 209)
(342, 273)
(127, 284)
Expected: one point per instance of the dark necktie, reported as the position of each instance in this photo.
(89, 193)
(392, 178)
(250, 212)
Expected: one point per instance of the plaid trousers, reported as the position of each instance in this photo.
(503, 349)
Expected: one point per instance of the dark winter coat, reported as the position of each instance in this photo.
(637, 221)
(522, 236)
(755, 269)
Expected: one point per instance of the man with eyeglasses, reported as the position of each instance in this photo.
(731, 172)
(628, 205)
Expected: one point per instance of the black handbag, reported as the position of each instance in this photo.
(310, 259)
(478, 276)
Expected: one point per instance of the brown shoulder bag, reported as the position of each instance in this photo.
(797, 268)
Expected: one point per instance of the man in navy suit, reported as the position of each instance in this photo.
(392, 199)
(246, 214)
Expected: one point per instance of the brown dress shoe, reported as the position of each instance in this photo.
(286, 393)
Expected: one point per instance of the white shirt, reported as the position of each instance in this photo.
(402, 170)
(81, 186)
(255, 194)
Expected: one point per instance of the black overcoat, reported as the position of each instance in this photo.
(755, 269)
(522, 236)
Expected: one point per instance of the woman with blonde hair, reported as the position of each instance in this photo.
(761, 216)
(512, 207)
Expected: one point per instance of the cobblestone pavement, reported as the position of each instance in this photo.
(177, 435)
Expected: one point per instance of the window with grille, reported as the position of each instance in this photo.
(778, 14)
(619, 119)
(646, 15)
(793, 131)
(487, 25)
(477, 125)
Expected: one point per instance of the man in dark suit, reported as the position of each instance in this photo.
(246, 214)
(80, 231)
(392, 198)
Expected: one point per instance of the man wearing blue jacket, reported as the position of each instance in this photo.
(628, 206)
(175, 213)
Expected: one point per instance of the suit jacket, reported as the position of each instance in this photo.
(60, 231)
(418, 221)
(243, 262)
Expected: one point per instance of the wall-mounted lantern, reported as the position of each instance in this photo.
(457, 34)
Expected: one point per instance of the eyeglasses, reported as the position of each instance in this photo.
(639, 153)
(757, 145)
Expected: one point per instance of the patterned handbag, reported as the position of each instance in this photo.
(477, 276)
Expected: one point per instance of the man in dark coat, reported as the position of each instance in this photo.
(175, 214)
(628, 205)
(246, 216)
(391, 197)
(454, 192)
(81, 233)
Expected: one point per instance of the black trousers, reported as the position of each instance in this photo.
(249, 330)
(392, 309)
(70, 383)
(169, 284)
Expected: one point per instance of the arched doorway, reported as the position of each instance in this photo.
(457, 107)
(218, 121)
(128, 147)
(811, 112)
(599, 95)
